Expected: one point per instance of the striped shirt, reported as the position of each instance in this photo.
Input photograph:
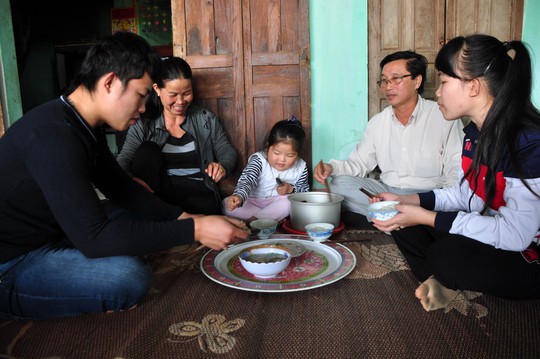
(181, 157)
(258, 179)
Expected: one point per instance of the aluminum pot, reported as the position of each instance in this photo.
(312, 207)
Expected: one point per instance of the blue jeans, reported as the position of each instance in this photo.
(57, 280)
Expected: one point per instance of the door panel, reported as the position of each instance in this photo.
(396, 25)
(278, 35)
(424, 25)
(250, 62)
(209, 38)
(500, 18)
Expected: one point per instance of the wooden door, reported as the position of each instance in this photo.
(500, 18)
(425, 25)
(396, 25)
(250, 61)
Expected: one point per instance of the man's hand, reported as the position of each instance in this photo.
(217, 232)
(320, 175)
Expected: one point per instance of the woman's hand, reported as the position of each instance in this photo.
(215, 171)
(321, 175)
(234, 202)
(409, 215)
(217, 232)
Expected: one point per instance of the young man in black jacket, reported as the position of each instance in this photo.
(63, 251)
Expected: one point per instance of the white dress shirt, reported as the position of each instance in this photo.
(424, 154)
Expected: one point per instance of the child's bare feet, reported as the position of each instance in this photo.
(433, 295)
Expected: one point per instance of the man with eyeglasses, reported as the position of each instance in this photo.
(415, 148)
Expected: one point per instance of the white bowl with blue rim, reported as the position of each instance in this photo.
(264, 227)
(319, 232)
(383, 210)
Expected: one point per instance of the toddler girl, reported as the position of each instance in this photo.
(270, 175)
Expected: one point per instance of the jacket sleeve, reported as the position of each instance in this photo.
(134, 138)
(65, 174)
(223, 150)
(513, 227)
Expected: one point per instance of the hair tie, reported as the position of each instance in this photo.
(509, 50)
(293, 121)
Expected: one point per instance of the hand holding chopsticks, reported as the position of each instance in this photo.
(326, 186)
(368, 193)
(321, 166)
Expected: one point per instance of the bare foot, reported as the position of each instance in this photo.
(433, 295)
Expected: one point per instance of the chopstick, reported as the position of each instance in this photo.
(349, 240)
(321, 165)
(367, 193)
(193, 251)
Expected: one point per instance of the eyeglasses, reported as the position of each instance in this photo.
(396, 80)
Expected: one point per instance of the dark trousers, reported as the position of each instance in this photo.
(459, 262)
(192, 195)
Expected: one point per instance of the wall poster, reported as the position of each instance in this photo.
(124, 19)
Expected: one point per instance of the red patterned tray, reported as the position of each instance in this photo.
(319, 265)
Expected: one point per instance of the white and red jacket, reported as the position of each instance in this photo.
(513, 220)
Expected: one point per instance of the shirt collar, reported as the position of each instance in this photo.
(417, 109)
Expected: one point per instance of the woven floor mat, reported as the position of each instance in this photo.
(372, 313)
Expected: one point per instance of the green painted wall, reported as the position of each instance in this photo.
(10, 93)
(531, 31)
(339, 73)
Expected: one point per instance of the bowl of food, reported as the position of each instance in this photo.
(319, 232)
(265, 261)
(383, 210)
(264, 227)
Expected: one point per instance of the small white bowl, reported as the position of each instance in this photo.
(319, 232)
(264, 227)
(383, 210)
(265, 261)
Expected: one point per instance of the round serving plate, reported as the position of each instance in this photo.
(319, 265)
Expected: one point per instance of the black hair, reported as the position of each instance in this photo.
(287, 131)
(126, 54)
(506, 69)
(416, 64)
(172, 68)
